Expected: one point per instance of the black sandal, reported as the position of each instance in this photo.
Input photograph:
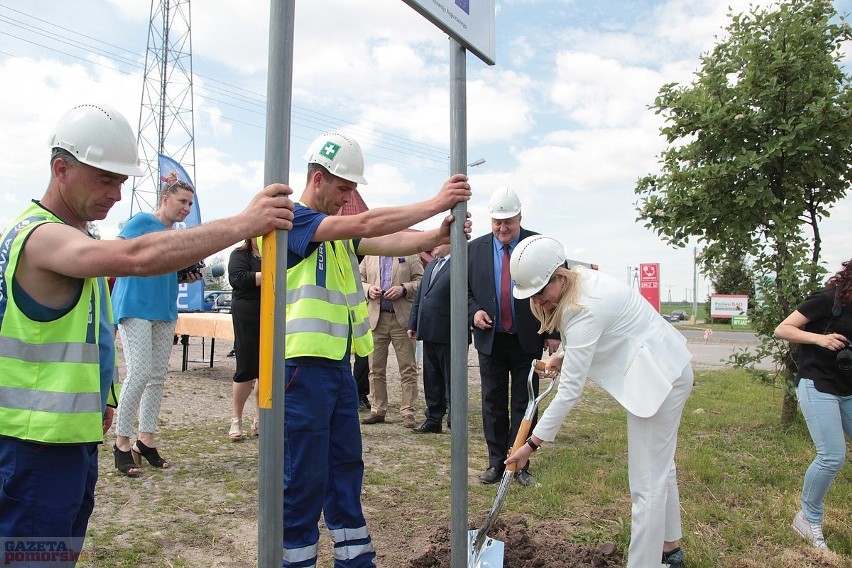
(124, 462)
(140, 451)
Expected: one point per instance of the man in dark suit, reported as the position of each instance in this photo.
(505, 333)
(430, 322)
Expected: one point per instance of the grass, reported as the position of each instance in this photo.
(740, 476)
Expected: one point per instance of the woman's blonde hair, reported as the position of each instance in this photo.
(551, 320)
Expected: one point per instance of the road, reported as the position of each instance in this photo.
(714, 352)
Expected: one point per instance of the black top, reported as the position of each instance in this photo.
(815, 362)
(241, 275)
(245, 312)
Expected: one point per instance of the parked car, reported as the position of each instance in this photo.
(223, 303)
(678, 315)
(210, 297)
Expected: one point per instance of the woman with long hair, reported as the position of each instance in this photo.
(613, 336)
(822, 325)
(244, 277)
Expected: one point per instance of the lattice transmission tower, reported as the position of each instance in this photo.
(166, 123)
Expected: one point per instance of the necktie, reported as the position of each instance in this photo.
(505, 292)
(438, 266)
(385, 276)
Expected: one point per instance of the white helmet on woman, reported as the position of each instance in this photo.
(339, 154)
(533, 262)
(100, 137)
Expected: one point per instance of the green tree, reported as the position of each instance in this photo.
(731, 276)
(759, 148)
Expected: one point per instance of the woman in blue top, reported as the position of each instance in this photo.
(146, 311)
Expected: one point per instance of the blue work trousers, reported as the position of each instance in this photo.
(323, 468)
(47, 494)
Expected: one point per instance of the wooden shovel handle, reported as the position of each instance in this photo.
(539, 366)
(525, 427)
(520, 440)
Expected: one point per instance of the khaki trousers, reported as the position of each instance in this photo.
(387, 332)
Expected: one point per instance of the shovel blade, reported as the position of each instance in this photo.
(489, 554)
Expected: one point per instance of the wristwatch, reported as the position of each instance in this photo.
(532, 444)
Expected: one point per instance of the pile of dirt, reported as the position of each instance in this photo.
(524, 548)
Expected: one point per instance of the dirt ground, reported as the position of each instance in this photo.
(203, 510)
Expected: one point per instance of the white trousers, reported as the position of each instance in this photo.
(651, 445)
(147, 345)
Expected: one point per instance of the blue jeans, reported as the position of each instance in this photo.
(828, 417)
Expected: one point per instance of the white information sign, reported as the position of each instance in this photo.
(469, 22)
(726, 306)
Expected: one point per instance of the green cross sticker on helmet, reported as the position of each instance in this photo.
(330, 150)
(340, 154)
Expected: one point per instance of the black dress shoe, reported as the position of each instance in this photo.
(525, 478)
(428, 428)
(491, 475)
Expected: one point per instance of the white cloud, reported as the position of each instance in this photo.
(562, 118)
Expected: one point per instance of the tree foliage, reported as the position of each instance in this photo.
(759, 149)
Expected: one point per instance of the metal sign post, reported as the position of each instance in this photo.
(471, 26)
(270, 519)
(458, 323)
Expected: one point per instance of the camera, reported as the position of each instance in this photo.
(183, 274)
(844, 357)
(202, 270)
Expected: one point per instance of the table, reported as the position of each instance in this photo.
(212, 325)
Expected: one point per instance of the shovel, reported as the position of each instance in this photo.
(482, 550)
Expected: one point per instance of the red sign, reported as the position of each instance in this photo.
(649, 283)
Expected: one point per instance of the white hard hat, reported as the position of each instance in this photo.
(504, 203)
(339, 154)
(533, 262)
(100, 137)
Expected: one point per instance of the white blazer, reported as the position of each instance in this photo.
(619, 341)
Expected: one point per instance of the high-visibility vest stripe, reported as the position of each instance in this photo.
(46, 401)
(49, 352)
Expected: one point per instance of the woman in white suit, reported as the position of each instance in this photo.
(613, 336)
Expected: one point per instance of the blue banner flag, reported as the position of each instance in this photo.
(190, 296)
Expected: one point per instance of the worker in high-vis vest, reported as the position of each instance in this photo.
(326, 323)
(57, 351)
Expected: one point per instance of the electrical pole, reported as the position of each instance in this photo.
(694, 284)
(166, 115)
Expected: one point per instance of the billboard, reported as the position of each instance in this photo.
(649, 283)
(726, 306)
(469, 23)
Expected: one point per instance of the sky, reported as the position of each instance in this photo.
(562, 117)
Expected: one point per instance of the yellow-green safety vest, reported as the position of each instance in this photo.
(50, 386)
(326, 304)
